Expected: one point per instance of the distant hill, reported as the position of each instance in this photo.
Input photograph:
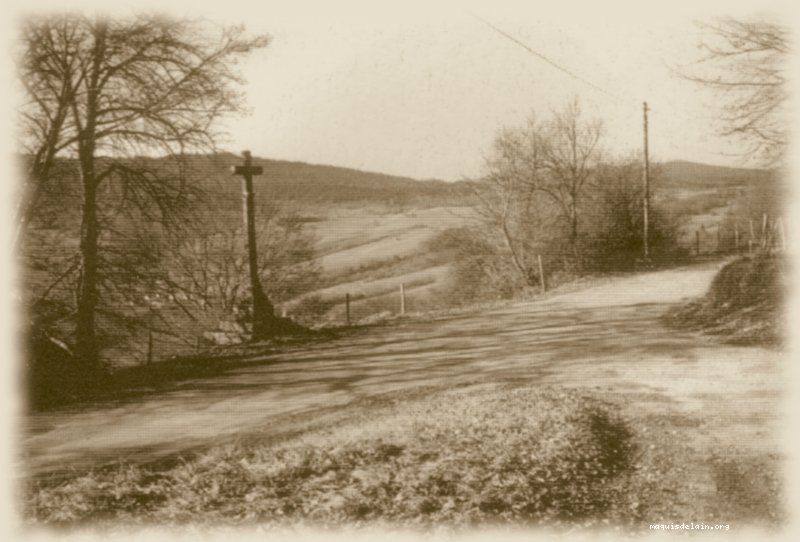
(692, 175)
(322, 184)
(311, 183)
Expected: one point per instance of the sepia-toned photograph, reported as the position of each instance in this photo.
(375, 271)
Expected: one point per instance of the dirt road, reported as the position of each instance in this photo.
(608, 335)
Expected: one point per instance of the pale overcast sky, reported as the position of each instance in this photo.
(421, 91)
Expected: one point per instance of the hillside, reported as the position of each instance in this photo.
(704, 198)
(679, 174)
(314, 184)
(302, 182)
(321, 184)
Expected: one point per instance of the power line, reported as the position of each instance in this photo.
(544, 58)
(570, 72)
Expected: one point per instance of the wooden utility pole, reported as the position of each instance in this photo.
(542, 285)
(263, 312)
(697, 242)
(646, 199)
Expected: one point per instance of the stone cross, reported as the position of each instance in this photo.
(263, 312)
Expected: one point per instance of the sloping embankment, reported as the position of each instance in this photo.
(745, 303)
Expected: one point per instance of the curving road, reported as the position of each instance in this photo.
(606, 335)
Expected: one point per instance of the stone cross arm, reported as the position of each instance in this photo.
(247, 170)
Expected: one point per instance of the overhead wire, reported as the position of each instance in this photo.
(544, 58)
(669, 143)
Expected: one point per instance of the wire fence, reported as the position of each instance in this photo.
(758, 235)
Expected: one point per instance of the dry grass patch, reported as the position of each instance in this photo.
(461, 458)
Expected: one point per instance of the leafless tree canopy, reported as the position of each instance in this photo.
(212, 266)
(536, 175)
(506, 197)
(744, 63)
(112, 94)
(571, 156)
(124, 88)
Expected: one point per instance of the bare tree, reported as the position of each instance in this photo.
(506, 197)
(744, 63)
(108, 91)
(44, 64)
(212, 268)
(570, 156)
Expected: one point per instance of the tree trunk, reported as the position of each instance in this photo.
(85, 335)
(86, 347)
(517, 262)
(573, 224)
(573, 231)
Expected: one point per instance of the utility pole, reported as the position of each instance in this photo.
(263, 312)
(542, 284)
(646, 200)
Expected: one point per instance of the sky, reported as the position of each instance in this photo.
(421, 90)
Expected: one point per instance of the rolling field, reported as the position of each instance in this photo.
(369, 253)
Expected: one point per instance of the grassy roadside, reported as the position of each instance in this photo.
(481, 455)
(744, 304)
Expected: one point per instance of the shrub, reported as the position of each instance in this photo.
(311, 309)
(614, 227)
(481, 269)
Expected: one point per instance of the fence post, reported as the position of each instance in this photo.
(347, 307)
(697, 242)
(752, 234)
(781, 234)
(149, 347)
(764, 231)
(402, 298)
(736, 236)
(542, 284)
